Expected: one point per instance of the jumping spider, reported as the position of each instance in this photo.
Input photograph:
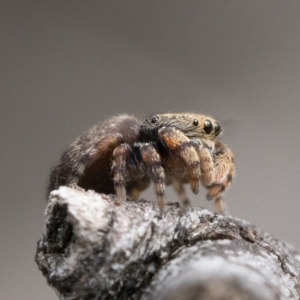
(123, 155)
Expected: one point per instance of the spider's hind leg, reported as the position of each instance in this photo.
(121, 156)
(137, 187)
(180, 190)
(152, 161)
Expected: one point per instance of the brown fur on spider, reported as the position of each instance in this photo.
(123, 155)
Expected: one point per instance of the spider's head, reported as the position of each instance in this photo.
(194, 126)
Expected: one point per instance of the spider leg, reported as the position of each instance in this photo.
(224, 163)
(121, 156)
(176, 141)
(224, 173)
(134, 194)
(220, 206)
(207, 164)
(180, 190)
(152, 161)
(138, 187)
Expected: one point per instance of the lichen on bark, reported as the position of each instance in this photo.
(95, 247)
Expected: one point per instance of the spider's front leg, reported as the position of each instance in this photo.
(207, 164)
(177, 142)
(224, 173)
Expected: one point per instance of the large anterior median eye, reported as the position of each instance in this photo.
(208, 128)
(217, 129)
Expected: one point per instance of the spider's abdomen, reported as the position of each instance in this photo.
(88, 160)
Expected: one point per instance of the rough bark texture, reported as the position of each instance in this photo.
(94, 247)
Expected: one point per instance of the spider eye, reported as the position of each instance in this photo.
(154, 119)
(208, 128)
(195, 122)
(217, 128)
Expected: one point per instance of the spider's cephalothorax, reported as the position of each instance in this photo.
(193, 126)
(123, 155)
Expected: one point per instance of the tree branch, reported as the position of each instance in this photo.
(94, 247)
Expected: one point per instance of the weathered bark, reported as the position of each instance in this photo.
(97, 248)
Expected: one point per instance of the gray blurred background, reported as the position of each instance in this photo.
(66, 65)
